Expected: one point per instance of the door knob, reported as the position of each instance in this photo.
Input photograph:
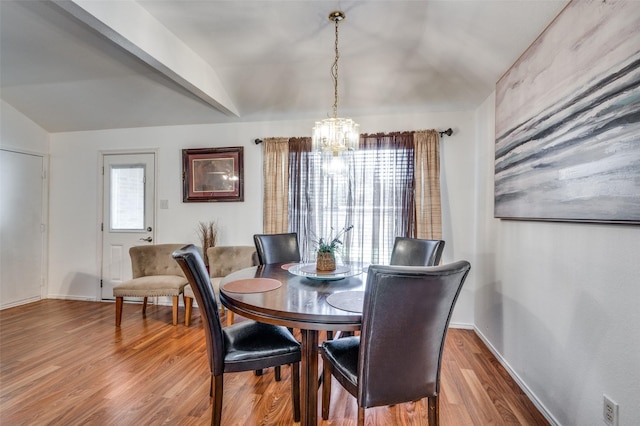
(148, 239)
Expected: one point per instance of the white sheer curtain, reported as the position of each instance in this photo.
(388, 187)
(370, 188)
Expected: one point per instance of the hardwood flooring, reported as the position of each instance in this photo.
(65, 363)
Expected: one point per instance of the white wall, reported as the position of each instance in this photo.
(559, 302)
(75, 197)
(19, 133)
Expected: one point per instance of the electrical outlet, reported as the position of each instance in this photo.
(610, 411)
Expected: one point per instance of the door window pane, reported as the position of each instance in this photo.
(127, 198)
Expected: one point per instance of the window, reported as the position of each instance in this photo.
(370, 188)
(127, 198)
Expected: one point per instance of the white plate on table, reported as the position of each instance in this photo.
(308, 270)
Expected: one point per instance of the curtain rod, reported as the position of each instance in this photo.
(447, 132)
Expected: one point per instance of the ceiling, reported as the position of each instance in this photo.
(93, 64)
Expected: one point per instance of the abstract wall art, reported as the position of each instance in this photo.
(568, 120)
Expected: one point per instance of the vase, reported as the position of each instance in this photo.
(326, 261)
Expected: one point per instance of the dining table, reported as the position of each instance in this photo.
(296, 295)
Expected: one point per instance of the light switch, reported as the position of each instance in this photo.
(164, 204)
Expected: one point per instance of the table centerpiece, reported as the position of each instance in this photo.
(327, 248)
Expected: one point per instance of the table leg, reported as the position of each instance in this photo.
(309, 378)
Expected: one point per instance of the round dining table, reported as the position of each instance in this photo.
(310, 302)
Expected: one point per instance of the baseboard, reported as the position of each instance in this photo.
(552, 420)
(155, 300)
(20, 303)
(462, 325)
(161, 300)
(67, 297)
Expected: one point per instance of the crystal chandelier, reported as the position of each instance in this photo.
(335, 134)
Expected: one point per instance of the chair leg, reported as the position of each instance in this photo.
(278, 373)
(360, 416)
(329, 334)
(188, 306)
(175, 309)
(229, 317)
(433, 410)
(295, 390)
(326, 389)
(144, 307)
(119, 301)
(216, 407)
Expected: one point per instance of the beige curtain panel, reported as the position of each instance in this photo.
(276, 185)
(427, 185)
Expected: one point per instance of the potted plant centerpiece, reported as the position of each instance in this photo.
(327, 248)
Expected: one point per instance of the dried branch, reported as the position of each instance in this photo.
(208, 233)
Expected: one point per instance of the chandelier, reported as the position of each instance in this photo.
(335, 134)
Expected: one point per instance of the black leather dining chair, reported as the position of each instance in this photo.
(244, 346)
(416, 252)
(277, 248)
(383, 366)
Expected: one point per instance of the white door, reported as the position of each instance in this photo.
(21, 228)
(128, 213)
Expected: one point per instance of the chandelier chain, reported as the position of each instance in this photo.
(334, 74)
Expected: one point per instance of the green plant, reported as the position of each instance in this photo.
(331, 245)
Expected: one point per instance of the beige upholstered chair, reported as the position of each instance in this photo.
(223, 260)
(155, 273)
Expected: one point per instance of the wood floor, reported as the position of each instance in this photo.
(65, 363)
